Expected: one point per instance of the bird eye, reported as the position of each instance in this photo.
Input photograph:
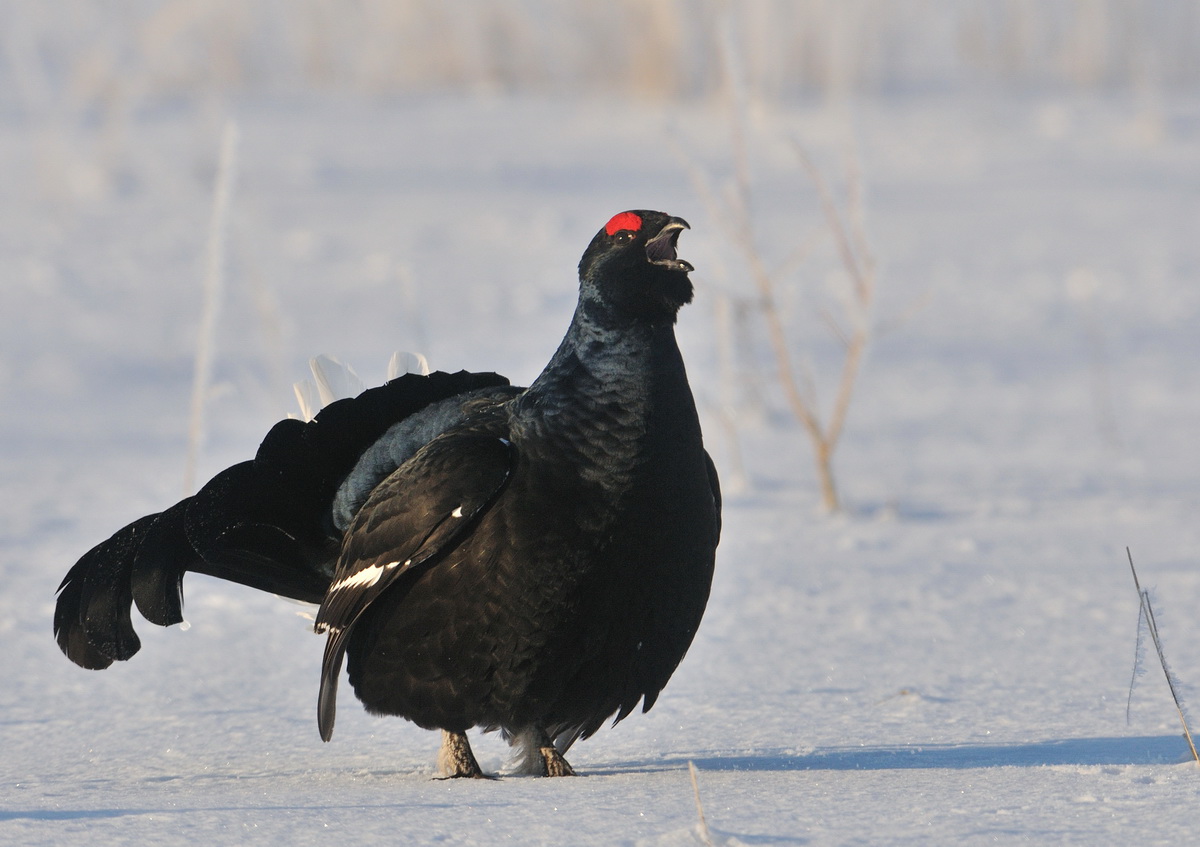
(624, 236)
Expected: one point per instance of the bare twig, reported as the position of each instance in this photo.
(1146, 613)
(731, 206)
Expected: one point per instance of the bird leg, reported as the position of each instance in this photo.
(456, 759)
(539, 756)
(556, 765)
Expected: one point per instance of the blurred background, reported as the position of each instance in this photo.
(452, 159)
(82, 69)
(99, 58)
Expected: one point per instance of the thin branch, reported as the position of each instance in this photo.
(797, 257)
(831, 323)
(731, 207)
(841, 404)
(742, 235)
(855, 207)
(845, 245)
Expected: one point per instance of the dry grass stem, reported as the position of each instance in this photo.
(214, 290)
(1146, 614)
(705, 835)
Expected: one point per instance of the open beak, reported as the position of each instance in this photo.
(661, 249)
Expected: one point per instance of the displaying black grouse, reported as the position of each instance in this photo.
(531, 560)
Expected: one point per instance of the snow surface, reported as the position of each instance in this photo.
(946, 662)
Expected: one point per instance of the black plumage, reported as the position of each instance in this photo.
(532, 560)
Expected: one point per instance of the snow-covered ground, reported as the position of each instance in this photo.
(946, 662)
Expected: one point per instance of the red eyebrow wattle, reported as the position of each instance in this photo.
(624, 220)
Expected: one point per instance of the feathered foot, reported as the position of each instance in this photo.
(538, 756)
(456, 759)
(555, 764)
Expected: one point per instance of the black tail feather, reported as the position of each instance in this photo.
(251, 528)
(156, 577)
(331, 669)
(91, 620)
(265, 523)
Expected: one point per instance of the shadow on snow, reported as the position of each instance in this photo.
(1145, 750)
(1081, 752)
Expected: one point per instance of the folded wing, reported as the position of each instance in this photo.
(411, 520)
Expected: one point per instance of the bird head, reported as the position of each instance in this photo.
(632, 271)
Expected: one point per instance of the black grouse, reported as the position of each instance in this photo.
(531, 560)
